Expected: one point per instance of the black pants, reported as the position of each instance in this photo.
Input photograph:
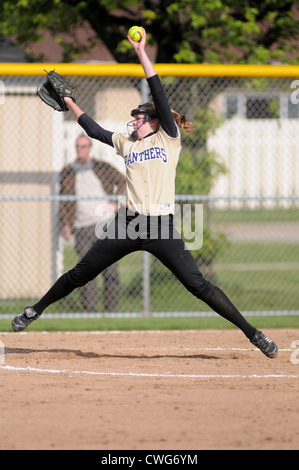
(133, 232)
(129, 233)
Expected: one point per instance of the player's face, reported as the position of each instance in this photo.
(140, 125)
(138, 122)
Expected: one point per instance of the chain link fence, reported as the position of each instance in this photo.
(240, 167)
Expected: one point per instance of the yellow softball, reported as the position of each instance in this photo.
(135, 33)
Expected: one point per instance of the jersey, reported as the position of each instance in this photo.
(150, 162)
(150, 171)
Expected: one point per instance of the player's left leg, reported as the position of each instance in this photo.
(173, 253)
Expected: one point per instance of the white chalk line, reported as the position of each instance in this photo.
(136, 374)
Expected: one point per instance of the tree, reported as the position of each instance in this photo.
(185, 31)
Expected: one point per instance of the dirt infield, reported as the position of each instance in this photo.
(174, 390)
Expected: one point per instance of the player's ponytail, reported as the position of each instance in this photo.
(182, 122)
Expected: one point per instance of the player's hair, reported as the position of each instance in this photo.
(181, 121)
(148, 109)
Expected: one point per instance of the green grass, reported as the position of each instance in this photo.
(251, 289)
(272, 290)
(254, 215)
(149, 323)
(259, 252)
(242, 269)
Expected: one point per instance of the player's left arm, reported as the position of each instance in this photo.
(139, 48)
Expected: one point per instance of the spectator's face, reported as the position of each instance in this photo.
(83, 149)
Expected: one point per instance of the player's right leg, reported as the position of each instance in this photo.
(102, 254)
(20, 322)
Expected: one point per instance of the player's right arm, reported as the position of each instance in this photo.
(73, 107)
(162, 107)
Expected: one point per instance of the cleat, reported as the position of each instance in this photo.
(265, 344)
(20, 322)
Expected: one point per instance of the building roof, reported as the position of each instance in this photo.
(51, 51)
(11, 52)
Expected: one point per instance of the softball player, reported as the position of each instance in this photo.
(151, 152)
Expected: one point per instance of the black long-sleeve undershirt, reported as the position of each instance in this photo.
(163, 110)
(95, 131)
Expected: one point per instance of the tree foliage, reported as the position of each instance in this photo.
(183, 31)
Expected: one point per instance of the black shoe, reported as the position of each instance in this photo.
(20, 322)
(265, 344)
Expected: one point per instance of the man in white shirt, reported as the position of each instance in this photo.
(89, 177)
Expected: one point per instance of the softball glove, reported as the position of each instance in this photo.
(53, 89)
